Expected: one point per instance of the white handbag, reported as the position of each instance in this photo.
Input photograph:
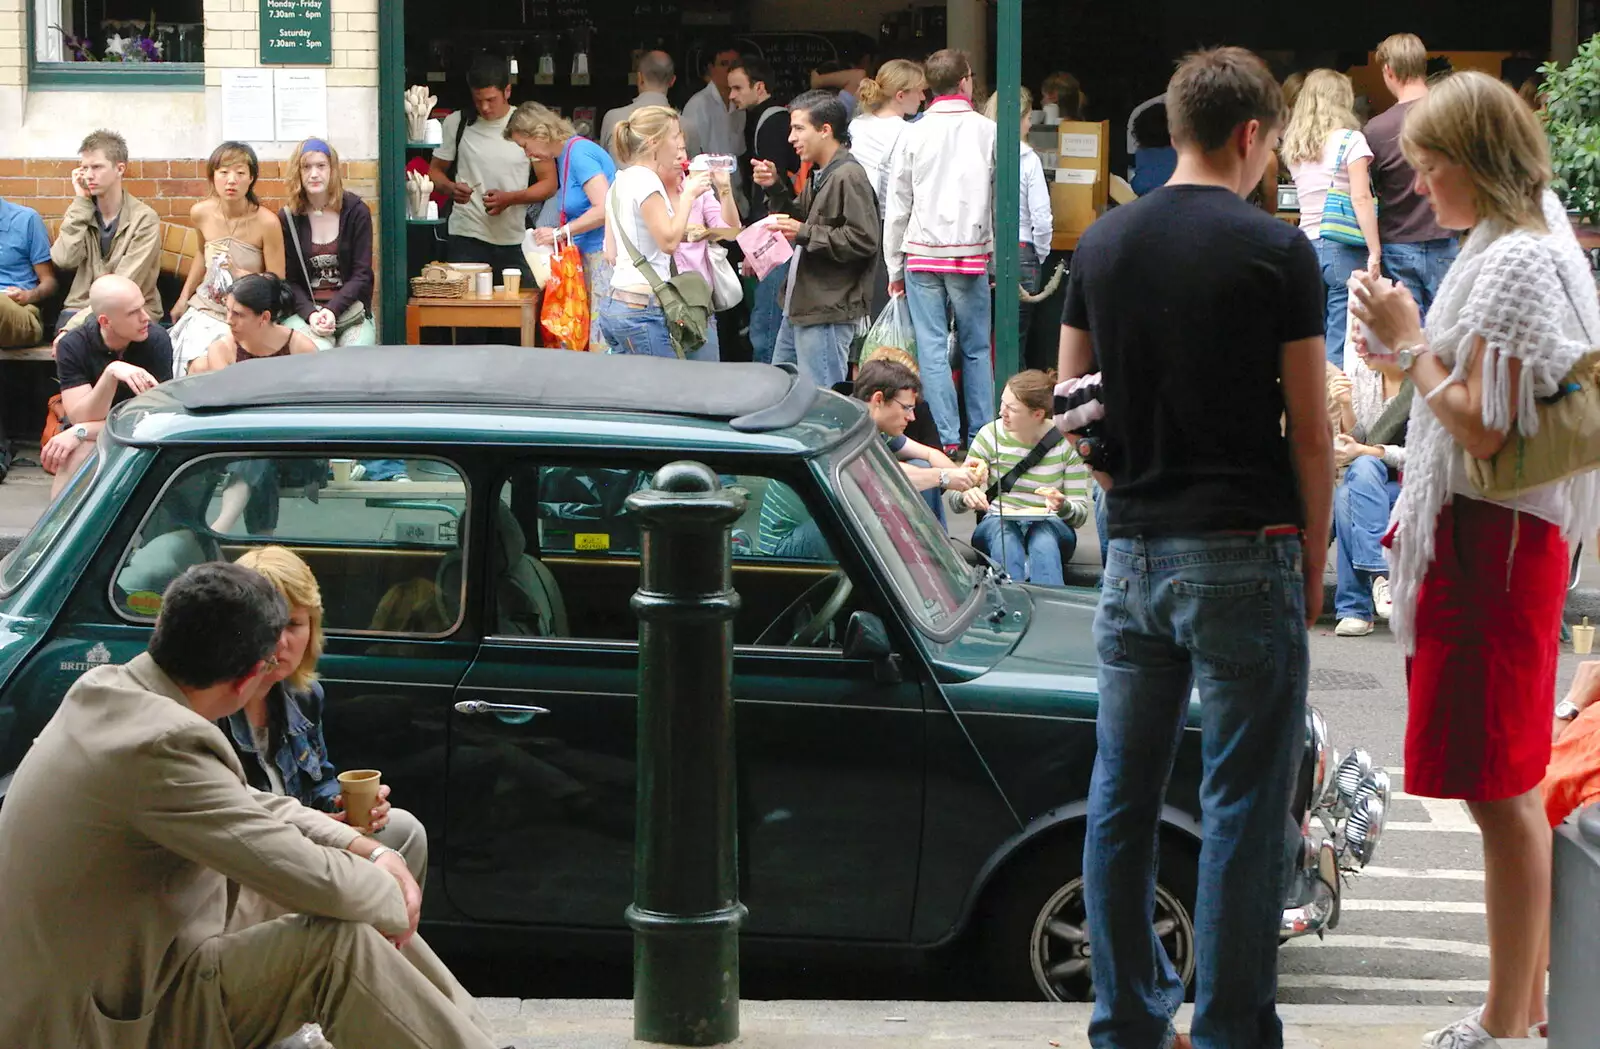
(727, 290)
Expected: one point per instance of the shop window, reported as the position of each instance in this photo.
(75, 43)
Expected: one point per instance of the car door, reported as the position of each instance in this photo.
(395, 649)
(829, 759)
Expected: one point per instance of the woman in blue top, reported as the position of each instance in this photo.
(585, 171)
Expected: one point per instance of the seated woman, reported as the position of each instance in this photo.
(278, 737)
(1371, 450)
(240, 237)
(1031, 528)
(330, 267)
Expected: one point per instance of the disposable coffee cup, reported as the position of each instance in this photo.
(512, 279)
(484, 284)
(1583, 638)
(341, 470)
(360, 789)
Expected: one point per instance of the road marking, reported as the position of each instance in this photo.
(1395, 943)
(1426, 874)
(1435, 828)
(1444, 811)
(1381, 983)
(1414, 906)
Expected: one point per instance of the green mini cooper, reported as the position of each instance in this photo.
(915, 731)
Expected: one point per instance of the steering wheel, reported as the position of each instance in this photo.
(811, 632)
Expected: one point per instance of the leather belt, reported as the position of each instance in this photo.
(633, 298)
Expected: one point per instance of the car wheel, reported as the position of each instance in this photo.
(1034, 940)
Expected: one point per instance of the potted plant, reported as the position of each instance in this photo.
(1571, 98)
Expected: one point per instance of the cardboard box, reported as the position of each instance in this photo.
(1081, 181)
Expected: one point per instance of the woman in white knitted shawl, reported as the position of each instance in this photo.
(1478, 586)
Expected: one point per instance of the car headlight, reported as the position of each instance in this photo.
(1367, 814)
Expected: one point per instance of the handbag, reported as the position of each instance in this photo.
(685, 297)
(727, 290)
(1567, 444)
(55, 422)
(1339, 223)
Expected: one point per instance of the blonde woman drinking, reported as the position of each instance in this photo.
(1326, 151)
(585, 172)
(1478, 584)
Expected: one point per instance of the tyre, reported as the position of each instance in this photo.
(1033, 938)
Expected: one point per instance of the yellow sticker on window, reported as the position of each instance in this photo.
(144, 602)
(591, 541)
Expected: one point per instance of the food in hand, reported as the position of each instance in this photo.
(979, 469)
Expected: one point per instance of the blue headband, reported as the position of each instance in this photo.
(316, 145)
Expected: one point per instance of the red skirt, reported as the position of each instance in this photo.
(1482, 683)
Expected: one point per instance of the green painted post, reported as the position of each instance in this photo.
(391, 173)
(1008, 191)
(686, 911)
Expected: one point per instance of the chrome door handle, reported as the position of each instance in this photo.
(479, 706)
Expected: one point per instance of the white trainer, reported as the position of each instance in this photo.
(1466, 1033)
(1352, 627)
(1381, 603)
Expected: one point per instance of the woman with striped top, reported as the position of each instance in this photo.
(1031, 529)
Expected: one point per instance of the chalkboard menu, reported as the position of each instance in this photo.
(296, 32)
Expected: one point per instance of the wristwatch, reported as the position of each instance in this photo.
(1406, 356)
(81, 432)
(1566, 711)
(944, 479)
(378, 852)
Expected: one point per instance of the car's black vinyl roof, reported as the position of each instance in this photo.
(751, 397)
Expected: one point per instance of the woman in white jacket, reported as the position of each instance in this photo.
(1036, 226)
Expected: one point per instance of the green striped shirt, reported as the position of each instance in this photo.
(1060, 469)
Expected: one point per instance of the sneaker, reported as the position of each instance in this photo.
(402, 476)
(1466, 1033)
(358, 472)
(1381, 604)
(1352, 627)
(1474, 1017)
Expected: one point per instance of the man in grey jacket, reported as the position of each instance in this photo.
(834, 228)
(129, 836)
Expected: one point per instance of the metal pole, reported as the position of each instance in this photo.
(392, 261)
(686, 911)
(1008, 191)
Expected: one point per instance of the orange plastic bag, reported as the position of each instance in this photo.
(564, 313)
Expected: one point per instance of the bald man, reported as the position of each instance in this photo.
(655, 78)
(100, 365)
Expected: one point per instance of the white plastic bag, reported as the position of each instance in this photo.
(893, 328)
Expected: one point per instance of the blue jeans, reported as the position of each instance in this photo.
(821, 350)
(929, 296)
(1031, 549)
(1361, 506)
(711, 350)
(1338, 262)
(382, 469)
(1100, 520)
(635, 329)
(1226, 614)
(1421, 267)
(766, 313)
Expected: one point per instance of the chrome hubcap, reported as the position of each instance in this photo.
(1060, 945)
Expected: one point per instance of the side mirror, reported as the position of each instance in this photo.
(865, 637)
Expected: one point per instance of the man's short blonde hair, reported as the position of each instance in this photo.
(1404, 56)
(1474, 120)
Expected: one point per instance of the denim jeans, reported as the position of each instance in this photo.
(1225, 614)
(1029, 267)
(930, 295)
(1100, 520)
(1031, 549)
(766, 313)
(1338, 262)
(635, 329)
(821, 350)
(711, 350)
(1361, 506)
(1421, 267)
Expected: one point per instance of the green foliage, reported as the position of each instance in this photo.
(1572, 120)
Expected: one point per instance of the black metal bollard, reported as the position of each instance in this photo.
(686, 911)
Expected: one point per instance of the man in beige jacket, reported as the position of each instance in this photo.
(128, 836)
(106, 229)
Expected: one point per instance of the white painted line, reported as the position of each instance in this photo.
(1426, 874)
(1461, 948)
(1435, 828)
(1414, 906)
(1381, 983)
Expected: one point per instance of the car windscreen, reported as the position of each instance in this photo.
(15, 568)
(934, 581)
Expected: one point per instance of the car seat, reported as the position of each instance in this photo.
(527, 599)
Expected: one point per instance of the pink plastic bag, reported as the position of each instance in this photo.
(765, 248)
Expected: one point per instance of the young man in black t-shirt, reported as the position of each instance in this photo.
(102, 364)
(1203, 315)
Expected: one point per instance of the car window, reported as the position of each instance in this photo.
(386, 554)
(14, 569)
(933, 580)
(565, 557)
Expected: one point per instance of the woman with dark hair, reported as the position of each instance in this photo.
(330, 230)
(257, 305)
(239, 237)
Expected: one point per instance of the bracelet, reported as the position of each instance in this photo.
(378, 852)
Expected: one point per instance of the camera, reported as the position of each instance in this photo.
(1079, 412)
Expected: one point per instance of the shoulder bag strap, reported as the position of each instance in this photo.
(1034, 457)
(561, 186)
(300, 257)
(639, 263)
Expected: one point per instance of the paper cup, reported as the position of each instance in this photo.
(341, 470)
(1582, 639)
(512, 279)
(484, 285)
(360, 789)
